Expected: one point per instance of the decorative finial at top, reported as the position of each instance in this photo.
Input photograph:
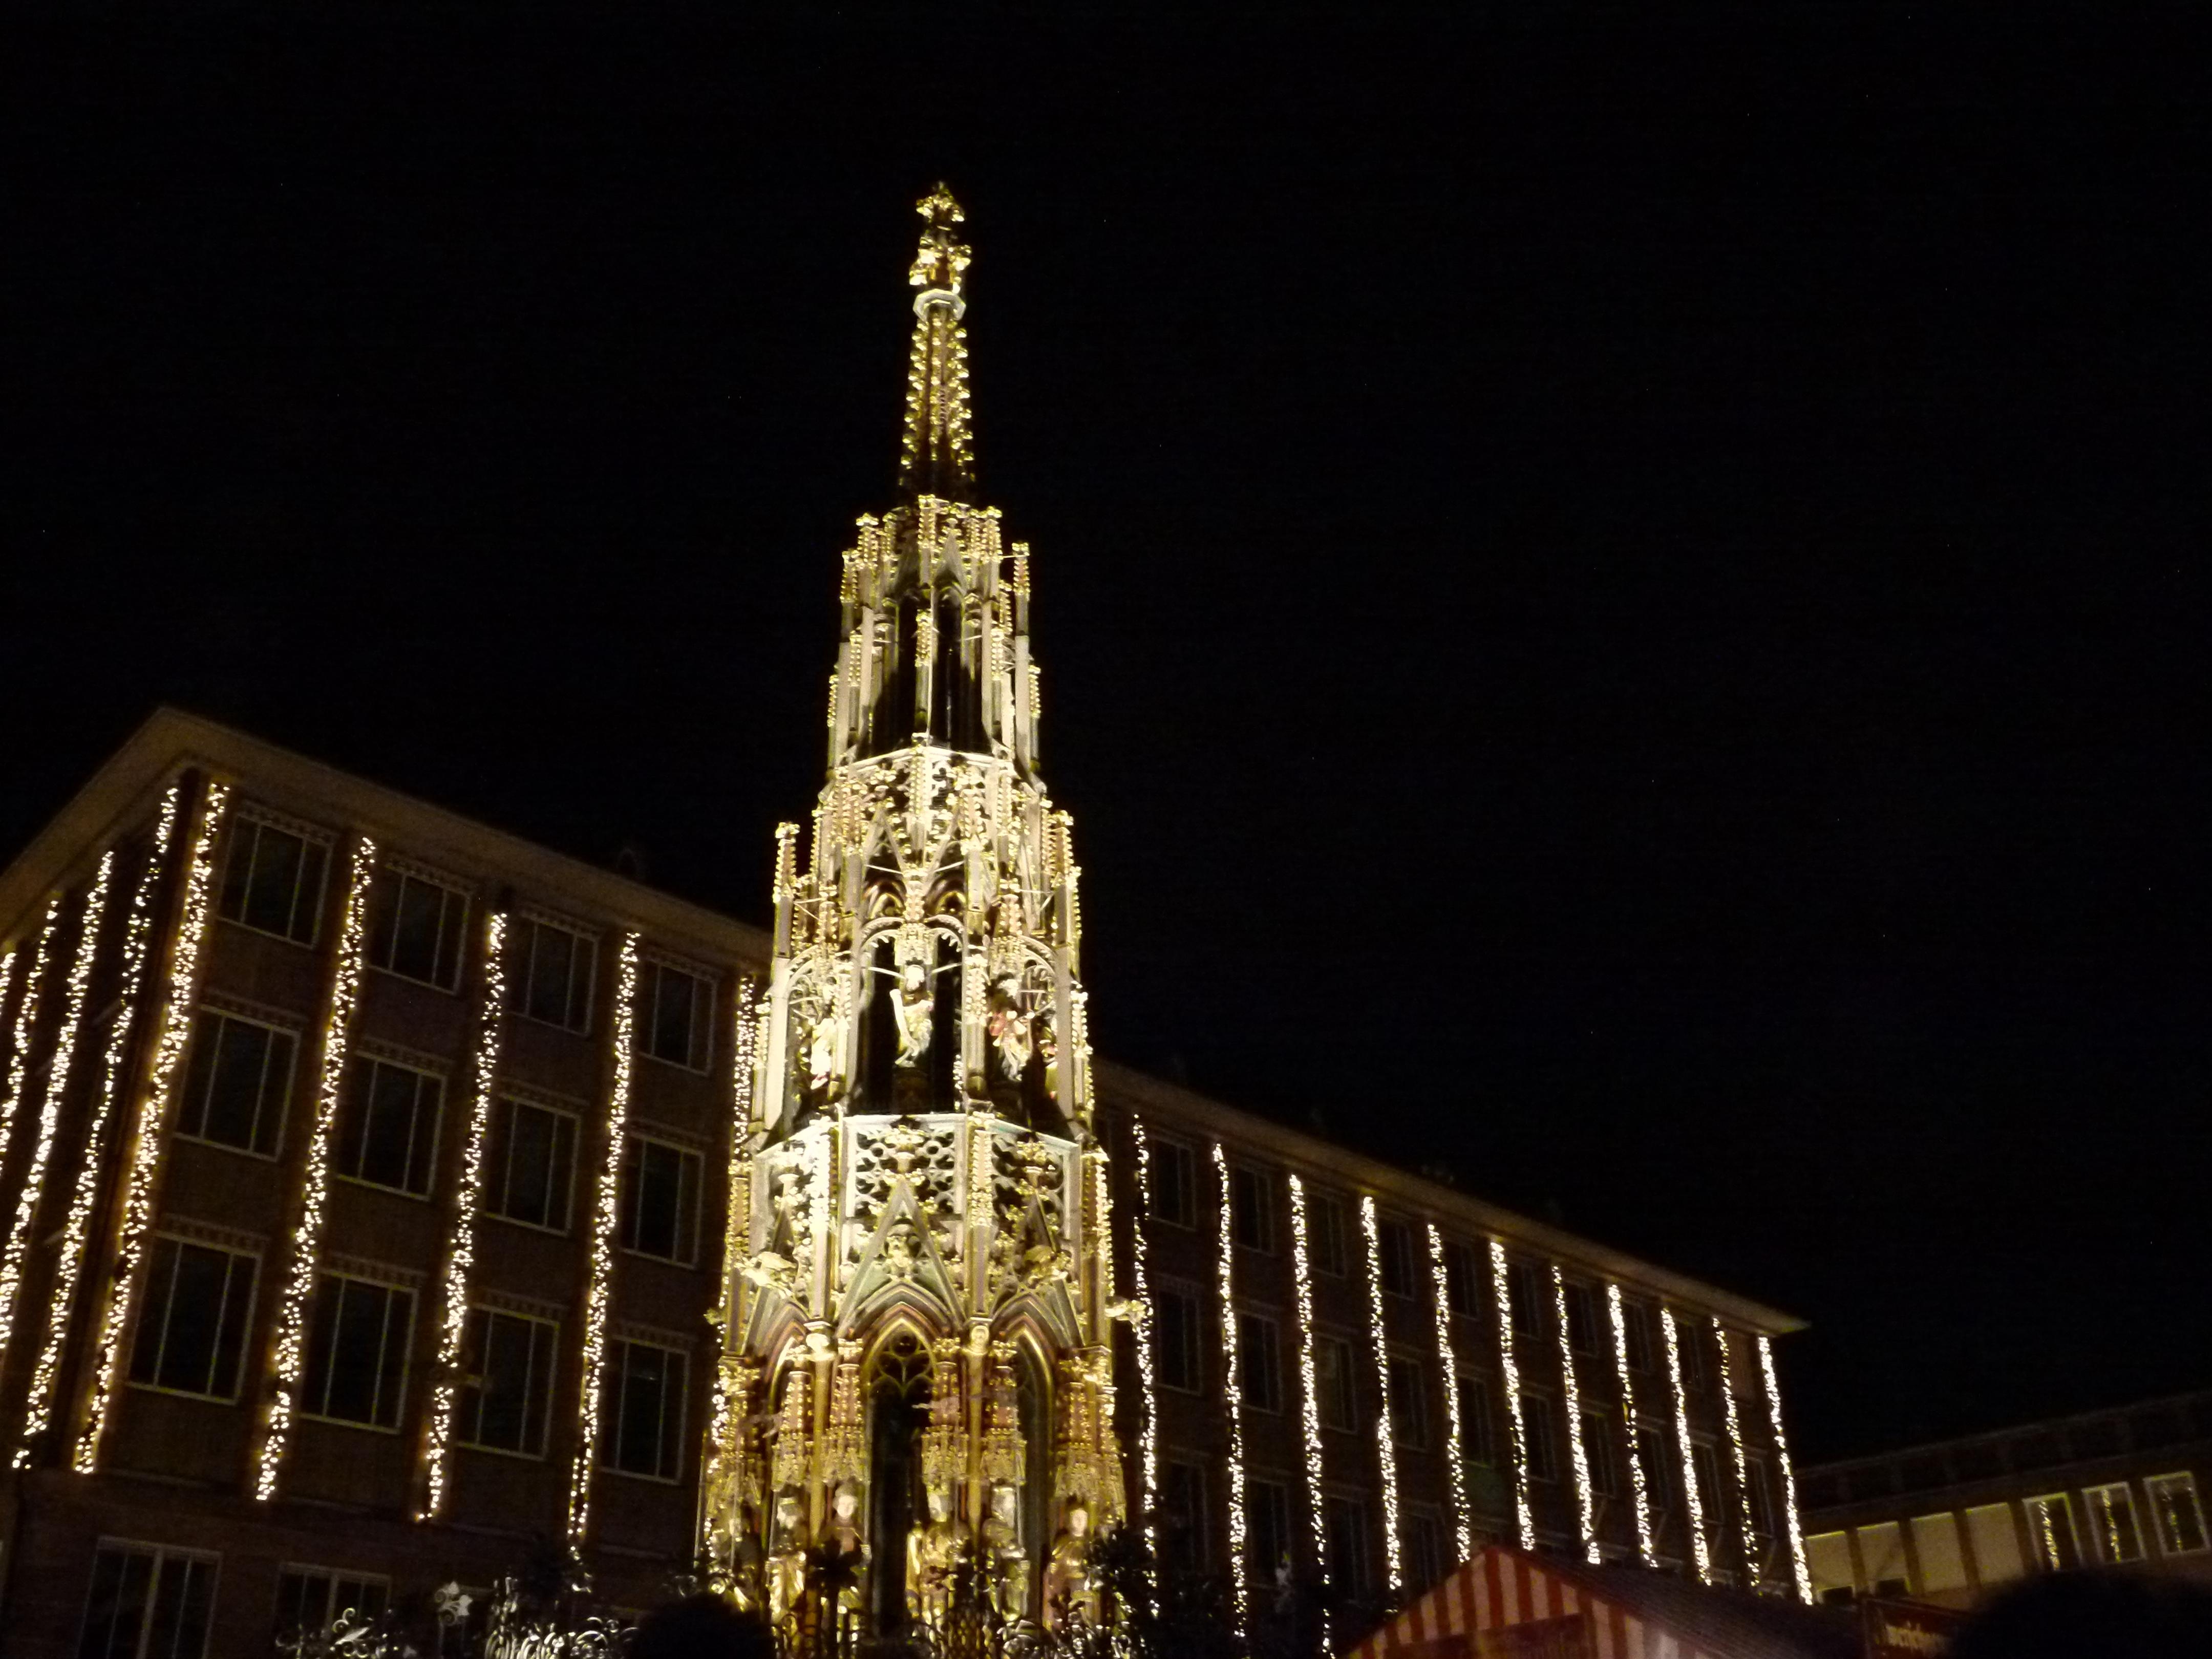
(942, 260)
(937, 454)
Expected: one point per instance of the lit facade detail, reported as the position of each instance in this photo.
(599, 1287)
(1694, 1503)
(461, 1242)
(1646, 1547)
(1571, 1389)
(142, 1158)
(1501, 1290)
(726, 1477)
(290, 1360)
(1800, 1569)
(1386, 1443)
(1309, 1383)
(69, 1260)
(58, 1066)
(1455, 1444)
(26, 1020)
(1734, 1421)
(1148, 1430)
(1232, 1381)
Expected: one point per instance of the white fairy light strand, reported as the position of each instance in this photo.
(1226, 1243)
(1386, 1446)
(1309, 1391)
(58, 1066)
(1148, 1432)
(290, 1357)
(1742, 1461)
(1455, 1444)
(1585, 1502)
(1692, 1502)
(68, 1262)
(461, 1248)
(1799, 1567)
(1501, 1290)
(600, 1291)
(26, 1019)
(142, 1161)
(1647, 1550)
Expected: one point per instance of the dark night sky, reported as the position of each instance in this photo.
(1622, 604)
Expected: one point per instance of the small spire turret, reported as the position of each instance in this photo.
(937, 453)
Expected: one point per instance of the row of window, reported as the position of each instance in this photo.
(2111, 1529)
(273, 883)
(191, 1339)
(238, 1084)
(155, 1601)
(1252, 1206)
(1270, 1538)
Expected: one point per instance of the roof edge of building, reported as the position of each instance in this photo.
(1834, 1465)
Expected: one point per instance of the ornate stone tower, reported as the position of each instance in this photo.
(918, 1318)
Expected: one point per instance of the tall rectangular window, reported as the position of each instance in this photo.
(1344, 1520)
(1478, 1431)
(1409, 1404)
(2112, 1523)
(1543, 1442)
(676, 1014)
(147, 1601)
(1399, 1276)
(1325, 1222)
(2175, 1513)
(661, 1200)
(530, 1166)
(510, 1361)
(1333, 1381)
(1708, 1467)
(1177, 1352)
(273, 880)
(1581, 1318)
(1881, 1554)
(1637, 1320)
(553, 971)
(309, 1598)
(357, 1352)
(1462, 1285)
(1183, 1514)
(1759, 1489)
(1259, 1357)
(1995, 1543)
(1424, 1551)
(2051, 1532)
(1267, 1530)
(1174, 1182)
(237, 1082)
(1942, 1562)
(1690, 1342)
(191, 1331)
(1252, 1210)
(1597, 1452)
(388, 1125)
(1522, 1297)
(418, 928)
(1658, 1460)
(645, 1424)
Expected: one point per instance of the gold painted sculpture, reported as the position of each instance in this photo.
(1070, 1595)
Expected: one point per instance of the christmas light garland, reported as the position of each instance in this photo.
(58, 1066)
(1742, 1460)
(143, 1159)
(1585, 1501)
(1455, 1444)
(1800, 1568)
(1308, 1392)
(289, 1359)
(26, 1017)
(1692, 1503)
(1501, 1290)
(600, 1291)
(1386, 1446)
(1226, 1243)
(69, 1262)
(1148, 1430)
(461, 1248)
(1647, 1549)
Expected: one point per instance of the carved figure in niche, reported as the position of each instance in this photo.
(912, 1012)
(1070, 1597)
(846, 1541)
(787, 1565)
(1002, 1538)
(747, 1562)
(933, 1549)
(825, 1046)
(1048, 1045)
(1009, 1026)
(899, 1258)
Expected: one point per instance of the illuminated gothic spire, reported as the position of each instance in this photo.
(937, 455)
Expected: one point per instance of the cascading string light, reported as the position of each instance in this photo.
(1148, 1430)
(1455, 1444)
(27, 1016)
(1571, 1389)
(290, 1360)
(1801, 1569)
(1742, 1461)
(1693, 1501)
(1386, 1445)
(600, 1291)
(1647, 1548)
(68, 1262)
(58, 1066)
(142, 1161)
(1502, 1291)
(461, 1248)
(1225, 1245)
(1309, 1390)
(724, 1414)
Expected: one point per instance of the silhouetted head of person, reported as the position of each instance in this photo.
(2108, 1615)
(702, 1626)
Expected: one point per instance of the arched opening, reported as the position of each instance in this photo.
(1033, 1399)
(896, 1387)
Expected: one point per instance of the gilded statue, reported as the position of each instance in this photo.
(1070, 1595)
(787, 1565)
(932, 1551)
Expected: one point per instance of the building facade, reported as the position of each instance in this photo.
(391, 1202)
(1955, 1522)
